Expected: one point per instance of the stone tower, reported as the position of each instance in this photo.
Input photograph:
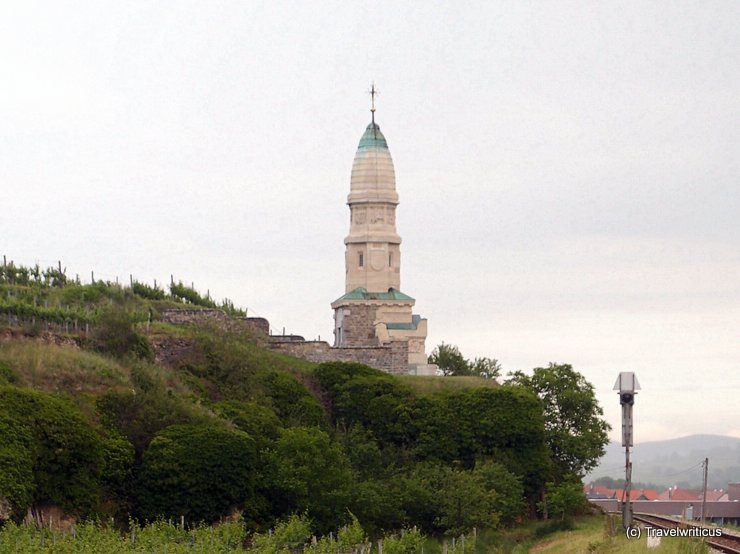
(373, 310)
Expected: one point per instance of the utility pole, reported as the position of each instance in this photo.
(704, 494)
(627, 386)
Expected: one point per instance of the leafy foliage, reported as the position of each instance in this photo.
(507, 489)
(575, 432)
(362, 395)
(196, 471)
(114, 334)
(231, 425)
(288, 536)
(257, 421)
(450, 361)
(307, 472)
(146, 291)
(48, 452)
(564, 499)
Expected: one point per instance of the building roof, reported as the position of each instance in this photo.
(405, 326)
(637, 494)
(372, 138)
(361, 293)
(373, 175)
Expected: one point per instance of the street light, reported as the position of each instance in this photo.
(627, 386)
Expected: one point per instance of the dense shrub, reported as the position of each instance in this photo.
(369, 397)
(196, 471)
(140, 413)
(114, 334)
(307, 472)
(48, 452)
(145, 291)
(291, 400)
(259, 422)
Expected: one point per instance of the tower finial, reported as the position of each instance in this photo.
(373, 92)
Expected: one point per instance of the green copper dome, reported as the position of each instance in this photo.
(372, 138)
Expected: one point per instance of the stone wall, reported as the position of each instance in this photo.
(358, 325)
(392, 358)
(256, 325)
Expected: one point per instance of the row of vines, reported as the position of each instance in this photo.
(292, 536)
(33, 293)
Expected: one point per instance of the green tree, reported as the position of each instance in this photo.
(575, 431)
(486, 367)
(307, 472)
(564, 499)
(449, 360)
(465, 503)
(441, 499)
(507, 489)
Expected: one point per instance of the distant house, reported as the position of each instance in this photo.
(601, 492)
(598, 492)
(692, 495)
(639, 494)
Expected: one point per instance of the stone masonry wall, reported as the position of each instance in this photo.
(256, 325)
(357, 326)
(392, 358)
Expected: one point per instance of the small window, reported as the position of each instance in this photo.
(362, 260)
(390, 259)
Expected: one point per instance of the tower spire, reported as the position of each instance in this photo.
(373, 92)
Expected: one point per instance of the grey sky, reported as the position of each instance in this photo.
(568, 172)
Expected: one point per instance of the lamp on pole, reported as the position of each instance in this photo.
(627, 386)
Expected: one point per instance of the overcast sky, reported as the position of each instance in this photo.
(568, 171)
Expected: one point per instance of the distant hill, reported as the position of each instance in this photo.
(676, 461)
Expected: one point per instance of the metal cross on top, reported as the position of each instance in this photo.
(373, 92)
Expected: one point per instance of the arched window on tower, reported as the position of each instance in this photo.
(390, 259)
(361, 260)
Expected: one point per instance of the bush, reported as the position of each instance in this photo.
(196, 471)
(564, 499)
(114, 334)
(48, 453)
(145, 291)
(141, 413)
(307, 472)
(360, 394)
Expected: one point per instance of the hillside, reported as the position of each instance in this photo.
(109, 411)
(676, 461)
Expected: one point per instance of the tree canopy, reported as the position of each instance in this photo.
(450, 361)
(574, 429)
